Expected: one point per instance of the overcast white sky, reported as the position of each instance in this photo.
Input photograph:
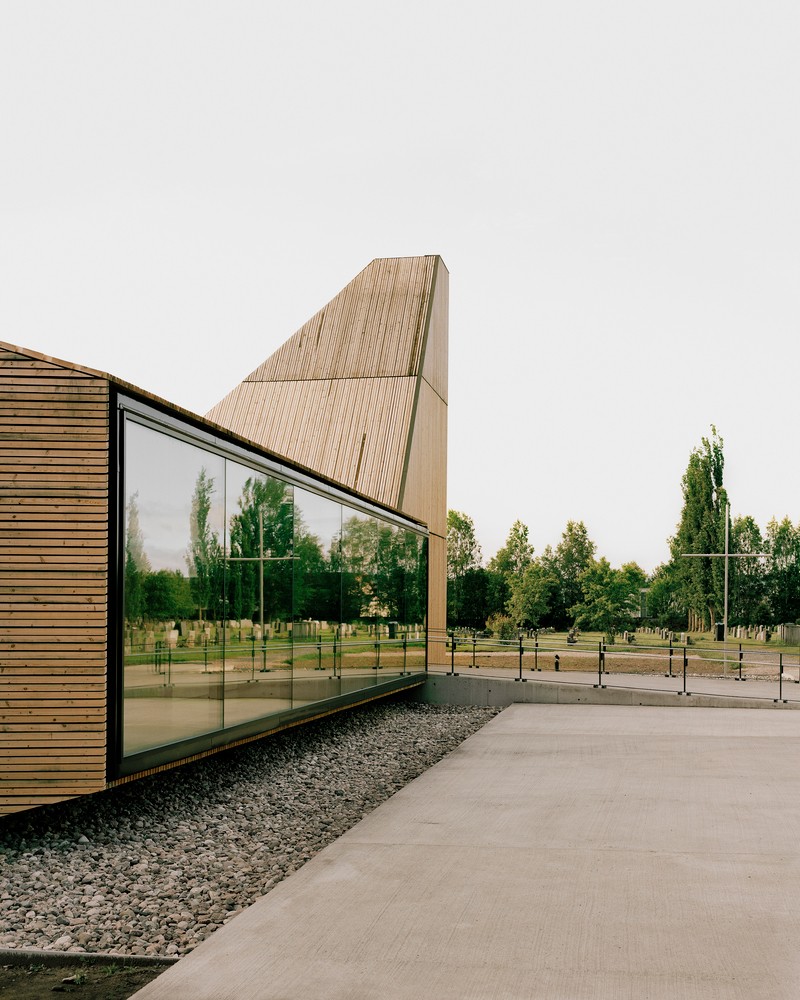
(613, 187)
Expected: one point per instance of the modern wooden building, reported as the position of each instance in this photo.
(174, 584)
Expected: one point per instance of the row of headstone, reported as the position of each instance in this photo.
(761, 633)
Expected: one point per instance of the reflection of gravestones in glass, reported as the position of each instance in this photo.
(172, 525)
(264, 556)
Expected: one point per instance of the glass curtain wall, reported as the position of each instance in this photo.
(247, 596)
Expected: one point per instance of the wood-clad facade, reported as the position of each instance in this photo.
(359, 393)
(54, 578)
(352, 408)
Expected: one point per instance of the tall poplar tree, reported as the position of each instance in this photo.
(508, 565)
(702, 530)
(463, 555)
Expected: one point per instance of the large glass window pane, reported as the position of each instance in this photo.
(259, 543)
(360, 601)
(317, 597)
(416, 600)
(173, 590)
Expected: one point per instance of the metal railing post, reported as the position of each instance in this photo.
(600, 663)
(670, 658)
(780, 679)
(520, 678)
(474, 644)
(453, 653)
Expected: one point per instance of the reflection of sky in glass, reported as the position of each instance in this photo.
(320, 517)
(164, 471)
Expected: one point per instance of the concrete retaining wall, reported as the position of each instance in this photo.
(447, 689)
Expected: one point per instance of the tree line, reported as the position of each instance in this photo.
(568, 586)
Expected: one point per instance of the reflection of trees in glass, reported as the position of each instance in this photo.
(384, 572)
(168, 596)
(359, 559)
(137, 565)
(274, 499)
(204, 557)
(317, 584)
(417, 578)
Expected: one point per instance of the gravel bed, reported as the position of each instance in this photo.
(155, 866)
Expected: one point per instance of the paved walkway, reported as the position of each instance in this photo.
(561, 853)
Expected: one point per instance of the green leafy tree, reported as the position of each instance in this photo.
(782, 583)
(747, 580)
(702, 530)
(566, 565)
(502, 627)
(531, 595)
(665, 604)
(475, 605)
(463, 554)
(610, 598)
(515, 556)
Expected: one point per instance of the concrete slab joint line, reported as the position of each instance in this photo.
(563, 852)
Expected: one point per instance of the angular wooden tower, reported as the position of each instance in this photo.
(359, 395)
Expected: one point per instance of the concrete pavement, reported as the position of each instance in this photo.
(563, 852)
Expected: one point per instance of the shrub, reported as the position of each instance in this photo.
(502, 627)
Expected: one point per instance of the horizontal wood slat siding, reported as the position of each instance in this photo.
(54, 437)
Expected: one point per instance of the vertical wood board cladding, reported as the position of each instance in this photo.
(437, 599)
(425, 492)
(373, 328)
(54, 437)
(434, 365)
(351, 430)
